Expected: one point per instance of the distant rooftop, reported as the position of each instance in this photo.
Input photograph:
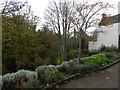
(115, 18)
(107, 20)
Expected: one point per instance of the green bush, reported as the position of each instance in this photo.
(88, 67)
(100, 59)
(72, 53)
(59, 67)
(107, 48)
(65, 66)
(73, 66)
(93, 51)
(20, 79)
(69, 67)
(52, 75)
(59, 60)
(48, 74)
(32, 76)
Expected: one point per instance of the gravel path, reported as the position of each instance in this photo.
(107, 78)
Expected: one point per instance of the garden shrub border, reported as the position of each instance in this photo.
(72, 77)
(16, 80)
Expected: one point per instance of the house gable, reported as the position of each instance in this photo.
(110, 35)
(107, 20)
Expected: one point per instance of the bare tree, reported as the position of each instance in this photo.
(57, 18)
(11, 6)
(86, 16)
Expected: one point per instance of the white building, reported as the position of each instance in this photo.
(109, 36)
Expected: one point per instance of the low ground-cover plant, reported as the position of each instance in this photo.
(100, 59)
(70, 67)
(88, 66)
(48, 74)
(113, 55)
(73, 66)
(20, 79)
(108, 48)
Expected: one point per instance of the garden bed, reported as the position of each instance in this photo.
(52, 75)
(78, 75)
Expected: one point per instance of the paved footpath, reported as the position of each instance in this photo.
(107, 78)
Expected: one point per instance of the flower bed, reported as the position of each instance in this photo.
(47, 75)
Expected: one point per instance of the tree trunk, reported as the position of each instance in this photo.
(79, 50)
(64, 46)
(60, 43)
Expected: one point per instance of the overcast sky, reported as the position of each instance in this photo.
(39, 6)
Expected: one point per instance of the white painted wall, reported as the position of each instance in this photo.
(108, 37)
(119, 28)
(92, 45)
(119, 13)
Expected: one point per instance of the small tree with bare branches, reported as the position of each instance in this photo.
(57, 18)
(87, 16)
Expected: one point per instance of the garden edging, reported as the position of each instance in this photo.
(79, 75)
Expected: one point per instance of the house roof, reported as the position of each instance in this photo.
(106, 20)
(115, 18)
